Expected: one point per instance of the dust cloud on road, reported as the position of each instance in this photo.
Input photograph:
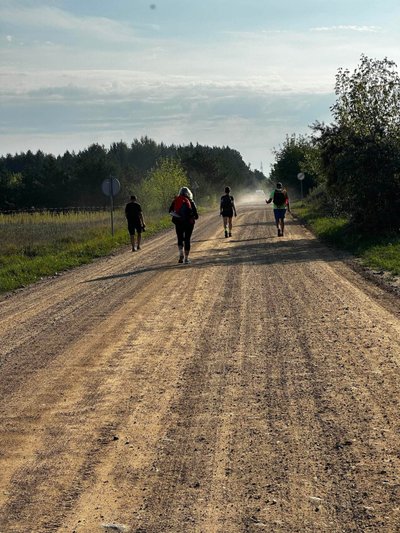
(256, 389)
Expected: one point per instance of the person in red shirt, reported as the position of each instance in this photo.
(184, 213)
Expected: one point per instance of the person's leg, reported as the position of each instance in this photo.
(230, 226)
(225, 219)
(132, 237)
(179, 234)
(188, 234)
(131, 231)
(283, 222)
(276, 214)
(139, 239)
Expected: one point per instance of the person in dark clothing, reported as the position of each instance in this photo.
(227, 210)
(184, 214)
(134, 216)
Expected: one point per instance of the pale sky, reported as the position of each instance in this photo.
(238, 73)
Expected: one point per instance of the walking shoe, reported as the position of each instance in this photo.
(226, 234)
(133, 249)
(180, 260)
(138, 248)
(230, 234)
(279, 233)
(187, 261)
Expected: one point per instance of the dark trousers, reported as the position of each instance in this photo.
(184, 232)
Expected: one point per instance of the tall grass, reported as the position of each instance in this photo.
(27, 233)
(41, 244)
(380, 252)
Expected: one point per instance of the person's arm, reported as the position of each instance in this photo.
(234, 206)
(287, 203)
(171, 207)
(268, 201)
(194, 209)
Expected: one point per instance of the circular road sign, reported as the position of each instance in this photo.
(300, 176)
(111, 186)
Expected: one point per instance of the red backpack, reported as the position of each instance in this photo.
(182, 208)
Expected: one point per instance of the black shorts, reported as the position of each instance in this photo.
(133, 227)
(227, 213)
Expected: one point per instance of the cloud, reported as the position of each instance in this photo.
(45, 18)
(82, 79)
(369, 29)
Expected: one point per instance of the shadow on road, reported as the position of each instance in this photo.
(268, 250)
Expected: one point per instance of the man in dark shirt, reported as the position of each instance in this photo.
(134, 216)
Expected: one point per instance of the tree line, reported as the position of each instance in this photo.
(144, 167)
(352, 165)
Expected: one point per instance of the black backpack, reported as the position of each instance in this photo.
(279, 197)
(226, 202)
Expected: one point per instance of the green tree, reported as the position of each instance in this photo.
(10, 187)
(162, 184)
(92, 167)
(360, 150)
(290, 160)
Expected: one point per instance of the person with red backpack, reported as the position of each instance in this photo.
(280, 199)
(184, 213)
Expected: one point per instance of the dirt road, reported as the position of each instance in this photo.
(256, 389)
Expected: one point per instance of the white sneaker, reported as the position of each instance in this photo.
(187, 261)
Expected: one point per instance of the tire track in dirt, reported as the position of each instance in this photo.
(256, 390)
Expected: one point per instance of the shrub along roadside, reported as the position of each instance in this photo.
(19, 270)
(377, 252)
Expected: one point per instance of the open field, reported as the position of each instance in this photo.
(44, 244)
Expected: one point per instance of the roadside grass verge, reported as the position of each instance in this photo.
(377, 252)
(40, 245)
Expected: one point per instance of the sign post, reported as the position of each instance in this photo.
(300, 177)
(111, 187)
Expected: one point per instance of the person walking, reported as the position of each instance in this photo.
(184, 214)
(280, 199)
(227, 210)
(134, 216)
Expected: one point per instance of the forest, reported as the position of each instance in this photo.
(42, 181)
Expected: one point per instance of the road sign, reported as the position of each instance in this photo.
(111, 186)
(300, 176)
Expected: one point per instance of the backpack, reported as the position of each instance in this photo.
(226, 202)
(182, 209)
(279, 197)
